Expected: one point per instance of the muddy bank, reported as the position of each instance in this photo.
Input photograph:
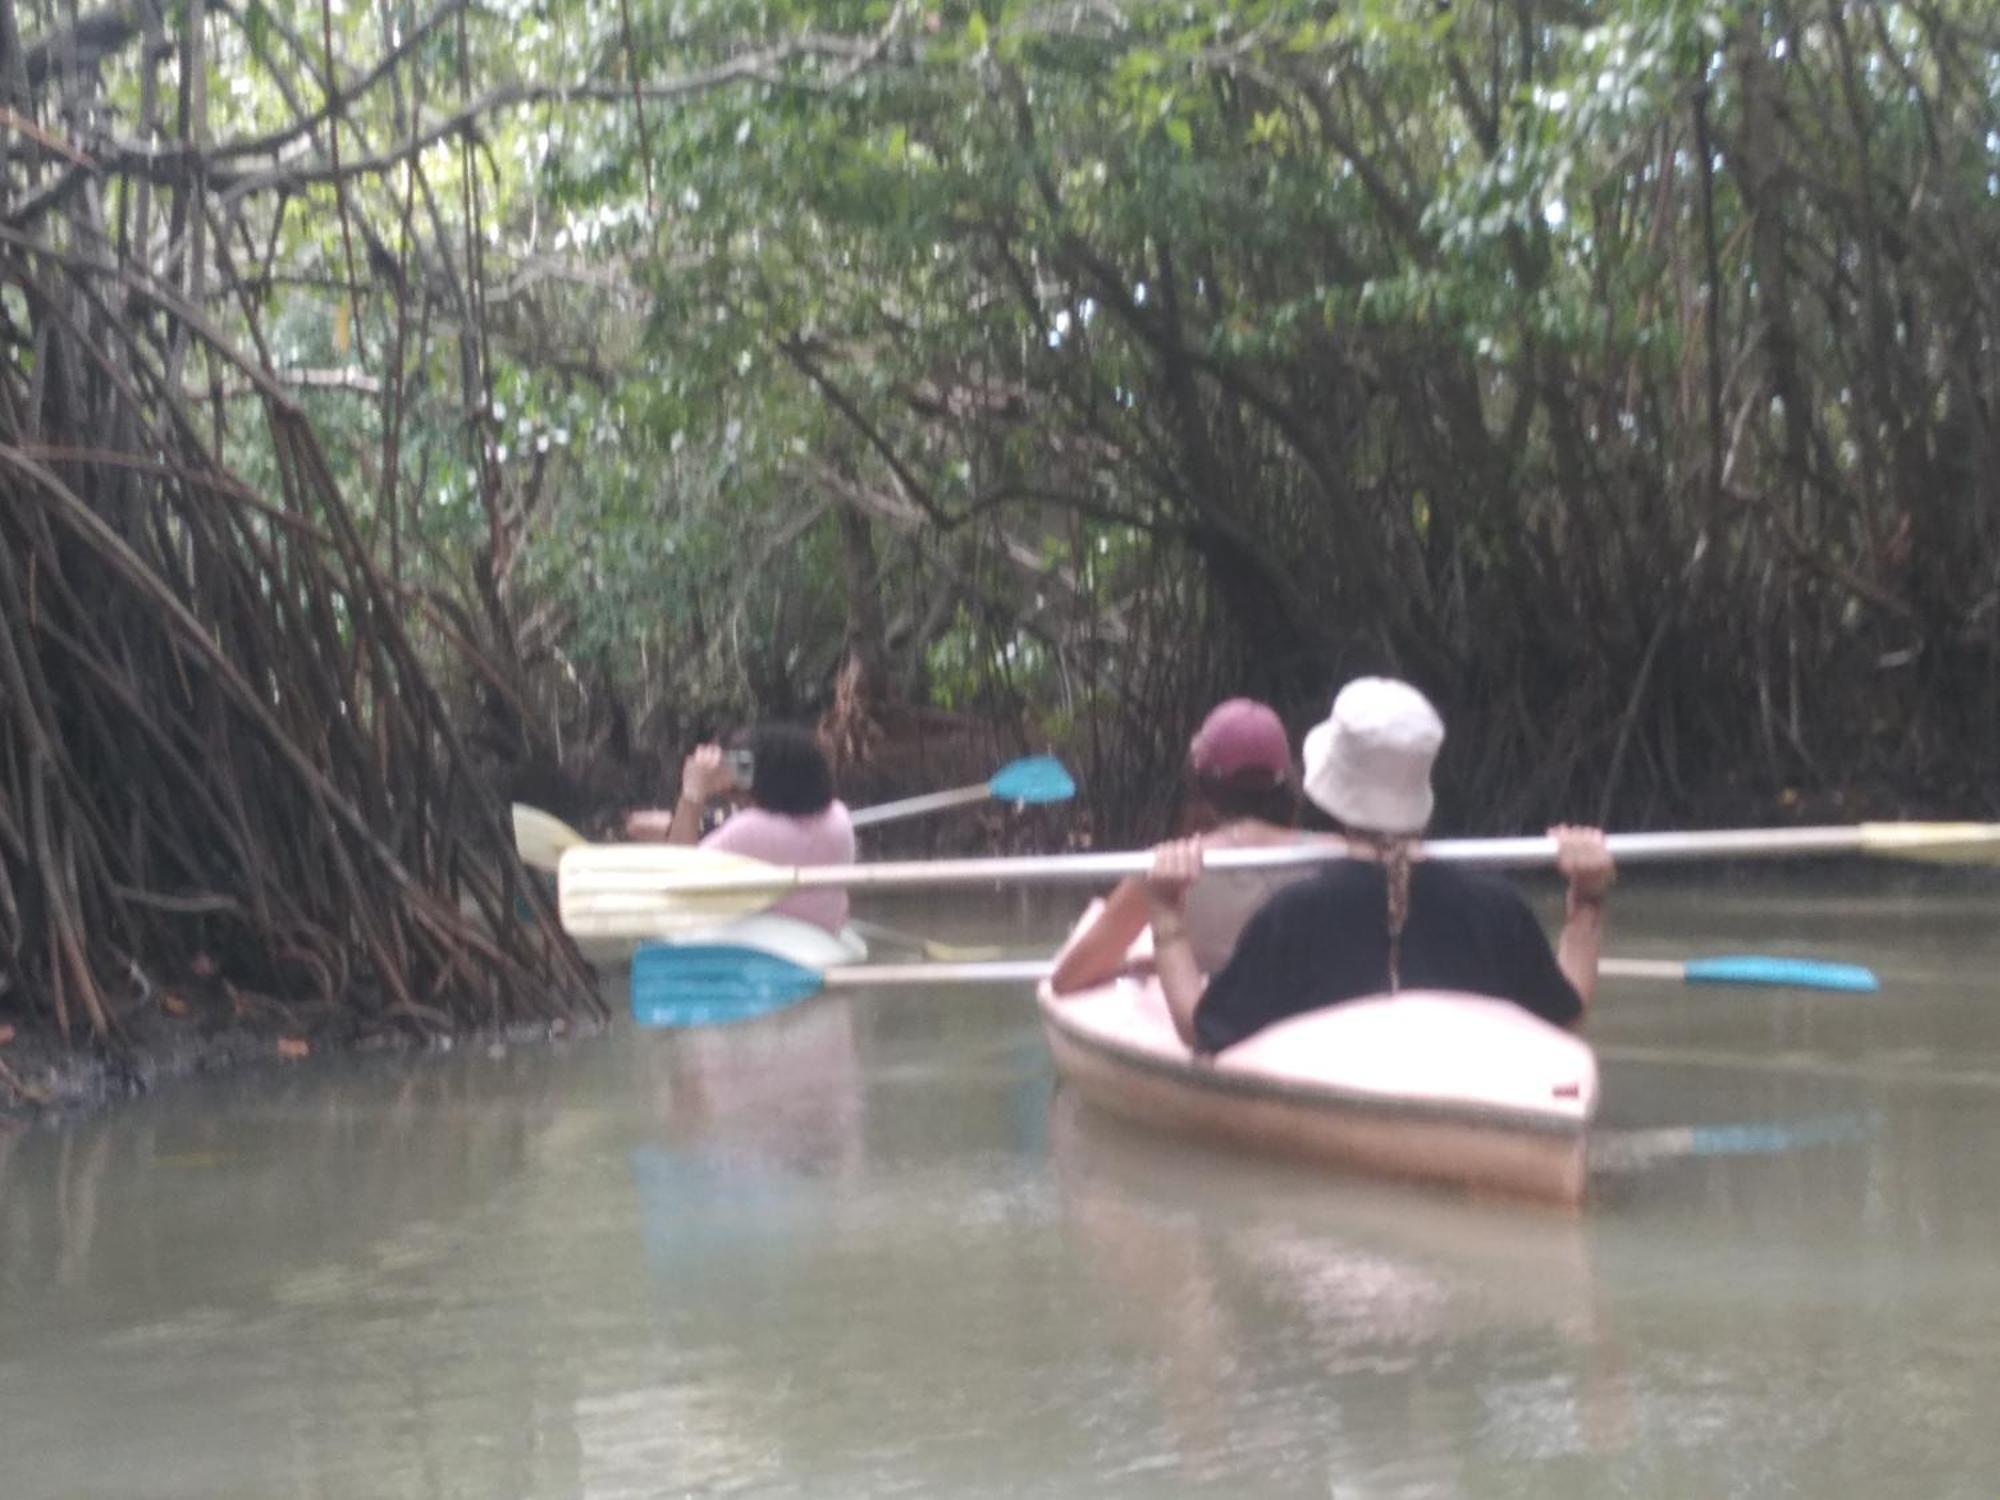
(42, 1075)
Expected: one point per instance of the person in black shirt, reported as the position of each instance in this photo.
(1382, 919)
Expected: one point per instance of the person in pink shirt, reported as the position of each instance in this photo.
(792, 818)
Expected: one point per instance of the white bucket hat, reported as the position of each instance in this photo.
(1369, 764)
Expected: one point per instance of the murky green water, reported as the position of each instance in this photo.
(864, 1250)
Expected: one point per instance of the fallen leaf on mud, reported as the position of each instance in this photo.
(294, 1046)
(173, 1005)
(6, 1035)
(204, 966)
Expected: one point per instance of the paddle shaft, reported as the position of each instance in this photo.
(1034, 780)
(1100, 869)
(1032, 970)
(999, 971)
(542, 838)
(717, 984)
(910, 807)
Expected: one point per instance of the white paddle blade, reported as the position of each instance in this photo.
(622, 890)
(542, 839)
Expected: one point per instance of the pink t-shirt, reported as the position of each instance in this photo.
(824, 838)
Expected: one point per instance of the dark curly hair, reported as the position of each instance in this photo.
(791, 774)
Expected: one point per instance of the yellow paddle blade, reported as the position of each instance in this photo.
(622, 890)
(1944, 843)
(931, 948)
(541, 839)
(960, 953)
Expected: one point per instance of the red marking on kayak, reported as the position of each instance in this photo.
(1567, 1091)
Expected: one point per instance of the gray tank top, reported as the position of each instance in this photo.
(1219, 907)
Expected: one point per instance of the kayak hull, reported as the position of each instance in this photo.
(804, 943)
(1458, 1090)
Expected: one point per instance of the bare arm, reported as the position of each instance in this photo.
(1181, 980)
(1098, 952)
(1175, 867)
(703, 776)
(649, 825)
(1578, 947)
(1586, 864)
(686, 826)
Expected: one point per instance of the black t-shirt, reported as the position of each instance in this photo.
(1326, 939)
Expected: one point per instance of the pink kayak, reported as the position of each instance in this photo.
(1446, 1088)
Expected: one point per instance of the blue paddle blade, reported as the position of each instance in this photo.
(1797, 973)
(1035, 779)
(709, 984)
(1628, 1150)
(1768, 1140)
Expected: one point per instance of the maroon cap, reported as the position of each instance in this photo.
(1239, 737)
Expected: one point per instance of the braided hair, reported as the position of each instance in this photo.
(1396, 852)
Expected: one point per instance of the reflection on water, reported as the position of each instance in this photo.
(1356, 1284)
(867, 1249)
(758, 1132)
